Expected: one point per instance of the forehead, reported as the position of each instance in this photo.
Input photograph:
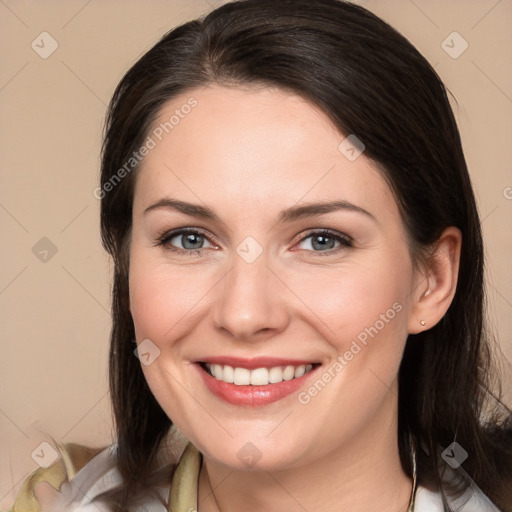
(252, 147)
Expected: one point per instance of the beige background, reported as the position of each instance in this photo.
(55, 314)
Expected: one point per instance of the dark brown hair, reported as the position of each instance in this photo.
(373, 83)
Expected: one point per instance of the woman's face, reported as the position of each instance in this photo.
(254, 284)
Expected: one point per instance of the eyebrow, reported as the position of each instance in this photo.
(287, 215)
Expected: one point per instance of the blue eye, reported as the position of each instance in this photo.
(191, 241)
(322, 242)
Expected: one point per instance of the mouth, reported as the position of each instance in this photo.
(254, 382)
(240, 376)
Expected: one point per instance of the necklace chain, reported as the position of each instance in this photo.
(410, 507)
(414, 477)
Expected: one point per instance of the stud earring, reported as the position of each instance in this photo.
(423, 323)
(427, 293)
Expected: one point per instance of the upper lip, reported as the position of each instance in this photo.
(255, 362)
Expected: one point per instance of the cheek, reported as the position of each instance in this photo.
(162, 297)
(163, 302)
(356, 302)
(362, 314)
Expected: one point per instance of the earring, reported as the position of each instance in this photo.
(427, 293)
(423, 323)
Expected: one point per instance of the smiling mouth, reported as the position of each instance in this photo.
(258, 376)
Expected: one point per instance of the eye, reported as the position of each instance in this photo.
(189, 241)
(324, 241)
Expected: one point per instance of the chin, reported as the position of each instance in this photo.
(255, 453)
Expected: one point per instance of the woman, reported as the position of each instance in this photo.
(299, 261)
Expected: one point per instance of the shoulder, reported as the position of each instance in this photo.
(73, 458)
(472, 500)
(81, 474)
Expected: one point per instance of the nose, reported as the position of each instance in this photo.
(250, 303)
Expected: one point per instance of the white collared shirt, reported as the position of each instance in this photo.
(100, 474)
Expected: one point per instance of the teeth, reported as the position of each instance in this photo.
(258, 376)
(275, 375)
(228, 374)
(289, 373)
(300, 370)
(242, 377)
(217, 371)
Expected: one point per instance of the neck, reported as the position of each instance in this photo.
(362, 474)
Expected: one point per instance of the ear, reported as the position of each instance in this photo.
(435, 287)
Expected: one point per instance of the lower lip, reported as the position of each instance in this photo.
(252, 395)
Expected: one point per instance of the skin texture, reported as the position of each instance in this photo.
(248, 153)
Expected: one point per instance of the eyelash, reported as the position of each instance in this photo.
(344, 240)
